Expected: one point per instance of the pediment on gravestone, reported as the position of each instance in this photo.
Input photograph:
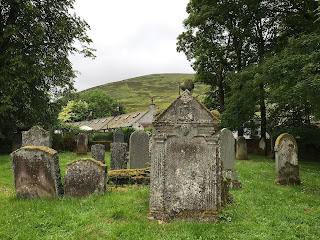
(187, 109)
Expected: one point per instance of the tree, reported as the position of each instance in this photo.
(36, 38)
(74, 112)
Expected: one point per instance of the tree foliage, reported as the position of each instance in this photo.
(36, 39)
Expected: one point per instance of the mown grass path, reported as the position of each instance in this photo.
(262, 210)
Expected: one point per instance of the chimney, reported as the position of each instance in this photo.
(152, 106)
(90, 117)
(116, 112)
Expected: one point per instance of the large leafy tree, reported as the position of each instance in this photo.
(36, 38)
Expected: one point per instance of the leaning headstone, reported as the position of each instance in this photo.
(118, 156)
(36, 172)
(118, 136)
(186, 174)
(98, 152)
(242, 152)
(85, 177)
(139, 150)
(36, 136)
(82, 144)
(286, 154)
(227, 157)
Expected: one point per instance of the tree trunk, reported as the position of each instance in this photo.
(221, 92)
(263, 114)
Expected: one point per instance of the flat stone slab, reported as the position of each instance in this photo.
(85, 177)
(36, 172)
(129, 176)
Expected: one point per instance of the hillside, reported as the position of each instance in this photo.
(135, 93)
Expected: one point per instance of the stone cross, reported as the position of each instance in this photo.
(98, 152)
(286, 154)
(118, 136)
(82, 144)
(139, 150)
(36, 136)
(242, 153)
(118, 158)
(36, 172)
(228, 158)
(85, 177)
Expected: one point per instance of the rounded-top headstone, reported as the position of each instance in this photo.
(36, 136)
(118, 136)
(242, 152)
(227, 149)
(187, 84)
(139, 150)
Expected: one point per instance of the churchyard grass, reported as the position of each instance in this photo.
(262, 210)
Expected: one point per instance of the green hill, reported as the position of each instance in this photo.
(135, 93)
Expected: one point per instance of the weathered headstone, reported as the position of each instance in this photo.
(82, 144)
(242, 152)
(36, 172)
(186, 172)
(139, 150)
(118, 136)
(227, 157)
(118, 156)
(286, 154)
(98, 152)
(85, 177)
(36, 136)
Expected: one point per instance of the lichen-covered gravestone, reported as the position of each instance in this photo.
(139, 150)
(36, 136)
(286, 154)
(98, 152)
(242, 152)
(227, 157)
(85, 177)
(186, 172)
(36, 172)
(118, 136)
(82, 144)
(118, 156)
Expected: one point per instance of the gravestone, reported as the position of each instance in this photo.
(118, 136)
(242, 152)
(85, 177)
(139, 150)
(98, 152)
(118, 156)
(36, 172)
(186, 174)
(36, 136)
(286, 154)
(82, 144)
(228, 158)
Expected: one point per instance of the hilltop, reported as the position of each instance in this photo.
(135, 93)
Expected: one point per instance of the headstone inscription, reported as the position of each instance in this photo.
(118, 136)
(118, 158)
(228, 158)
(139, 150)
(286, 154)
(82, 144)
(242, 152)
(36, 172)
(98, 152)
(186, 172)
(36, 136)
(85, 177)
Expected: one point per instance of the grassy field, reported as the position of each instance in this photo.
(262, 210)
(135, 93)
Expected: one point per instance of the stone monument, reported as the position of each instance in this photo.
(36, 136)
(118, 136)
(82, 144)
(286, 154)
(36, 172)
(186, 174)
(242, 152)
(228, 158)
(98, 152)
(139, 150)
(118, 156)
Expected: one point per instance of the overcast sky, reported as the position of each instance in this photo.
(132, 38)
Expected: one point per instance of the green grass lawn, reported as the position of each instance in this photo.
(262, 210)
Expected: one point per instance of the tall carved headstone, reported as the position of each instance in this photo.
(186, 172)
(118, 136)
(227, 158)
(82, 144)
(118, 158)
(139, 150)
(36, 172)
(85, 177)
(36, 136)
(98, 152)
(286, 154)
(242, 152)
